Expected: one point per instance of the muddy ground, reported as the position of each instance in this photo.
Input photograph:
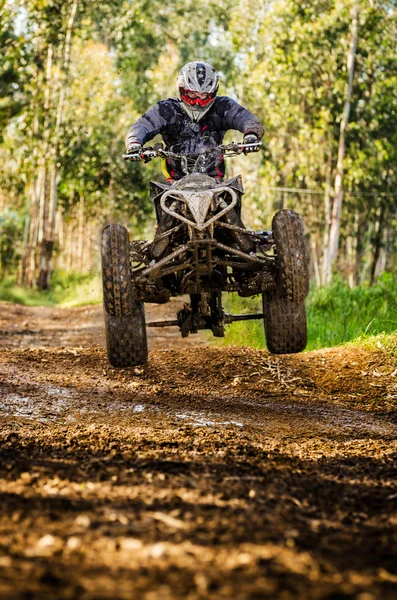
(211, 473)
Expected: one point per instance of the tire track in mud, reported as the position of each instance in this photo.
(212, 472)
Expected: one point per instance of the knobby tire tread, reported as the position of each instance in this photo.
(291, 257)
(126, 339)
(124, 315)
(285, 324)
(116, 271)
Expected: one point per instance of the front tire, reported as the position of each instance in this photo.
(285, 324)
(124, 315)
(291, 257)
(126, 339)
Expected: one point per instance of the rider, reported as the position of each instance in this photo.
(196, 120)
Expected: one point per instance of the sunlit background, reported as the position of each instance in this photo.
(75, 75)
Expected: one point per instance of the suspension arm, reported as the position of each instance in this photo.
(240, 253)
(162, 262)
(264, 237)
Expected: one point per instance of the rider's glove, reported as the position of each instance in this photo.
(134, 148)
(251, 138)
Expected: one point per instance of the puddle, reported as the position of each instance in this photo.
(201, 420)
(37, 409)
(136, 408)
(20, 406)
(56, 391)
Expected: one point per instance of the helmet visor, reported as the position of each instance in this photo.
(196, 98)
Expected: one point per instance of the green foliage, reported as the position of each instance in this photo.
(293, 73)
(11, 55)
(67, 289)
(93, 140)
(336, 314)
(384, 342)
(244, 333)
(11, 227)
(145, 31)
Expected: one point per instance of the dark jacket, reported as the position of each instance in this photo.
(183, 136)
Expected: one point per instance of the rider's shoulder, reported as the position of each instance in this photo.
(168, 101)
(166, 107)
(168, 104)
(224, 102)
(225, 99)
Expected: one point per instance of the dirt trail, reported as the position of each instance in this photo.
(210, 473)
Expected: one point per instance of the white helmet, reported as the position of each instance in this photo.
(197, 85)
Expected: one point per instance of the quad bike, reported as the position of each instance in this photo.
(203, 250)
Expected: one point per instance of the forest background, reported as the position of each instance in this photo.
(321, 75)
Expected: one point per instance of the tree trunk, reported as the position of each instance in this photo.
(316, 267)
(327, 214)
(33, 226)
(60, 235)
(24, 257)
(80, 238)
(350, 262)
(360, 232)
(68, 253)
(381, 266)
(47, 245)
(366, 252)
(34, 214)
(337, 204)
(377, 242)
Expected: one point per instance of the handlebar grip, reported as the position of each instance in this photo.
(131, 155)
(234, 147)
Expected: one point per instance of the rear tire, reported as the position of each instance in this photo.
(291, 256)
(285, 324)
(124, 315)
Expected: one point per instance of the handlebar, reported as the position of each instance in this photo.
(233, 149)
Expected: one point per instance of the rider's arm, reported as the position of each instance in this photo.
(149, 125)
(235, 116)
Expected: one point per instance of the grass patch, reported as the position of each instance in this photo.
(386, 342)
(336, 314)
(69, 289)
(244, 333)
